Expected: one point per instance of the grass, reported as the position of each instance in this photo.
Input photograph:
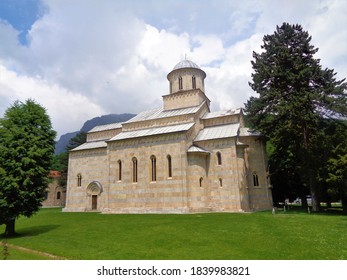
(291, 235)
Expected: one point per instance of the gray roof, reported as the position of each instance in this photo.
(245, 131)
(91, 145)
(186, 64)
(196, 149)
(217, 132)
(161, 113)
(152, 131)
(106, 127)
(223, 113)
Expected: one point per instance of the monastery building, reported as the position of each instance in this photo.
(181, 158)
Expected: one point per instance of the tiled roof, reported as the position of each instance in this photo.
(106, 127)
(217, 132)
(91, 145)
(152, 131)
(161, 113)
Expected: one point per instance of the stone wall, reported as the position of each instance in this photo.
(91, 165)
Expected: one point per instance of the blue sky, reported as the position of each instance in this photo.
(21, 14)
(85, 58)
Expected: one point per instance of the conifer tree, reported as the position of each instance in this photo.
(26, 152)
(295, 93)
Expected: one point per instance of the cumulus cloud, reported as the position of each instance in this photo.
(85, 58)
(63, 106)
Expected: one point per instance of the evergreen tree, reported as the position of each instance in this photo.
(295, 93)
(26, 152)
(337, 163)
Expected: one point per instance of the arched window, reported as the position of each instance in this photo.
(58, 195)
(180, 83)
(219, 158)
(169, 166)
(255, 179)
(220, 182)
(153, 169)
(134, 170)
(119, 170)
(79, 180)
(194, 82)
(200, 182)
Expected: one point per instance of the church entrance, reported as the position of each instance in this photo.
(94, 202)
(93, 190)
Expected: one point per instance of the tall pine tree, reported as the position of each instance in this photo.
(295, 93)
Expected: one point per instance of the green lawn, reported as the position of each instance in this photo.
(290, 235)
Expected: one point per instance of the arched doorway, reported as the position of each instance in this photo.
(93, 190)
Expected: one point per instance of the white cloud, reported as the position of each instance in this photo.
(63, 106)
(87, 58)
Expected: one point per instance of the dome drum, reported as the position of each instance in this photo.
(186, 75)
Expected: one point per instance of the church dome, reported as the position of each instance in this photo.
(186, 64)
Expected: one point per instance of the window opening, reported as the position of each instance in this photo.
(153, 169)
(169, 166)
(200, 182)
(255, 180)
(180, 83)
(134, 170)
(79, 180)
(219, 158)
(194, 82)
(119, 170)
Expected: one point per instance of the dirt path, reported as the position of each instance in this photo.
(53, 257)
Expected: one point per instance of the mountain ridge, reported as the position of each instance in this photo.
(88, 125)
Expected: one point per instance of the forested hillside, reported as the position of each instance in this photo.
(88, 125)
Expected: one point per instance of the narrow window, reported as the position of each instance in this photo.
(255, 180)
(153, 169)
(134, 170)
(58, 195)
(169, 166)
(220, 182)
(79, 180)
(219, 158)
(194, 82)
(119, 170)
(180, 83)
(200, 182)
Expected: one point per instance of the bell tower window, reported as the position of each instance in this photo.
(180, 83)
(194, 82)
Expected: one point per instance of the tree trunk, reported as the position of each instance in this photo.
(315, 200)
(304, 204)
(10, 228)
(315, 192)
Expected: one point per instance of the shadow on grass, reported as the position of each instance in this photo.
(31, 231)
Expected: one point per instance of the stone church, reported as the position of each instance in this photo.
(180, 158)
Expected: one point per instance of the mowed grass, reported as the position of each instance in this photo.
(251, 236)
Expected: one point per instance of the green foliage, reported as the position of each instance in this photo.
(295, 95)
(336, 166)
(79, 139)
(26, 152)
